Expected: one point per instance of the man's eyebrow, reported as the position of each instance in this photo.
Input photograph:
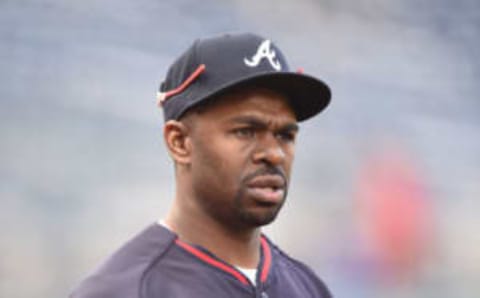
(290, 127)
(257, 122)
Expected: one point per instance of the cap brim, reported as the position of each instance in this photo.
(307, 95)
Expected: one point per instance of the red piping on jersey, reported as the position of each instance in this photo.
(208, 259)
(184, 85)
(267, 259)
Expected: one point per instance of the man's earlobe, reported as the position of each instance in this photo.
(177, 139)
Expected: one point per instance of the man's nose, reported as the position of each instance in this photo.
(269, 151)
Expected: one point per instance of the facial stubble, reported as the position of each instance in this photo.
(268, 212)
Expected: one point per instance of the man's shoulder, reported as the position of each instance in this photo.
(298, 271)
(122, 273)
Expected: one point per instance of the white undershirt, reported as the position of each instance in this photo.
(251, 274)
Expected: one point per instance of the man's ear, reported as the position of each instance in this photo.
(178, 141)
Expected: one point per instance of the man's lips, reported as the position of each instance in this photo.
(268, 189)
(272, 181)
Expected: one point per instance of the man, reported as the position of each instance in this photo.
(231, 108)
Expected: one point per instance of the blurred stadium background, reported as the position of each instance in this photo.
(382, 202)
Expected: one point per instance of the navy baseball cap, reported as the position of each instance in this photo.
(216, 65)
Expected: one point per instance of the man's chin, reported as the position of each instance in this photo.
(257, 213)
(258, 219)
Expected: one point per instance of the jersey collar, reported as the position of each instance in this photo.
(205, 256)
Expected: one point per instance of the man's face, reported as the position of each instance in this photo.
(242, 152)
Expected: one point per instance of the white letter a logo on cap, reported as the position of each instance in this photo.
(264, 51)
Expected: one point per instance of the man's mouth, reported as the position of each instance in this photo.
(267, 189)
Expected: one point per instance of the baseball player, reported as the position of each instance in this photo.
(231, 108)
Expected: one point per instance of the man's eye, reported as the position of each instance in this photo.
(244, 132)
(286, 136)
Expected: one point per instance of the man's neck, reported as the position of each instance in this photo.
(236, 247)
